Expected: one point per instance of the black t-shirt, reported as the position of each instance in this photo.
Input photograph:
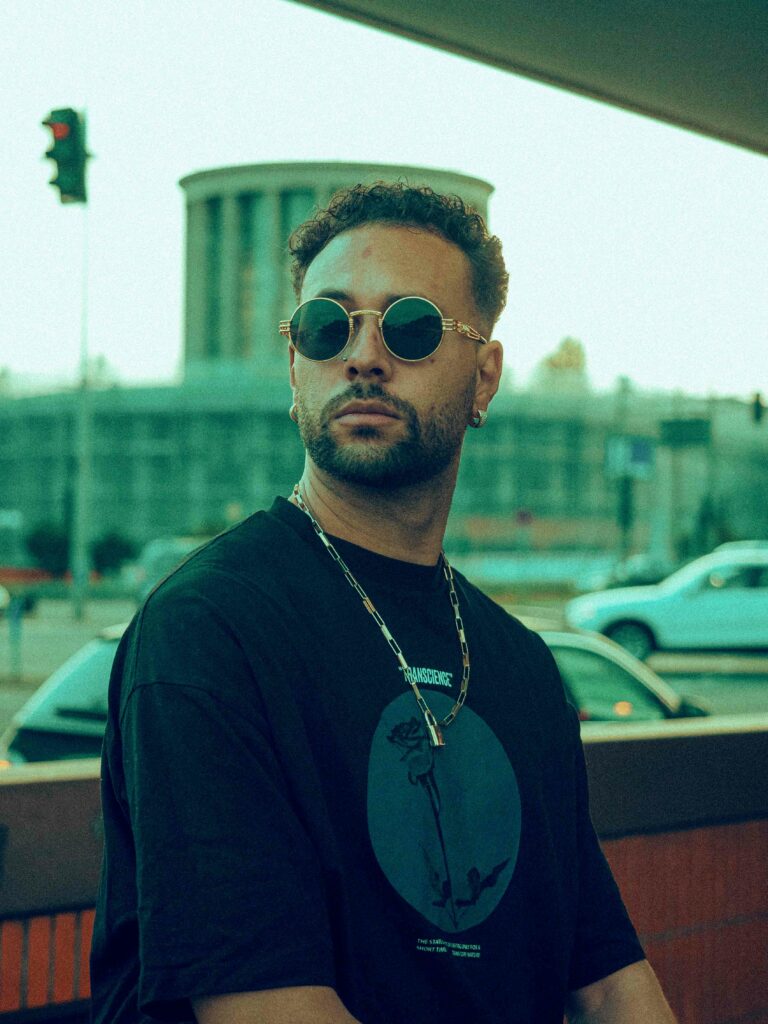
(274, 815)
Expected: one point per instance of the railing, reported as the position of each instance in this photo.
(681, 808)
(50, 855)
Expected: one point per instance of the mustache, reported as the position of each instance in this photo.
(362, 393)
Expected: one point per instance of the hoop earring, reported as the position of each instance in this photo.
(479, 419)
(293, 414)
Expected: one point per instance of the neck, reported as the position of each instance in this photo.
(407, 523)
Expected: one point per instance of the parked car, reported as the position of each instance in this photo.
(159, 557)
(606, 683)
(66, 717)
(718, 602)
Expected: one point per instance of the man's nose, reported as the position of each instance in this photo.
(366, 354)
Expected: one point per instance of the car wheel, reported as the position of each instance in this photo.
(633, 637)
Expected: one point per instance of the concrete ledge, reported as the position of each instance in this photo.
(661, 777)
(645, 777)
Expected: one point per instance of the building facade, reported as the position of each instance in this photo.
(196, 457)
(237, 282)
(543, 474)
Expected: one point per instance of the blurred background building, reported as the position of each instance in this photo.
(557, 468)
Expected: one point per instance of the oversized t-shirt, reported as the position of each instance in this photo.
(275, 816)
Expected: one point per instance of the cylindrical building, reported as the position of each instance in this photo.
(237, 280)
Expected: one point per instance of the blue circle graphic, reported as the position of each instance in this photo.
(444, 823)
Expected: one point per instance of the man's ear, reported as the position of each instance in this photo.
(291, 371)
(490, 360)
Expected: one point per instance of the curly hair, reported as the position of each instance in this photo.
(404, 205)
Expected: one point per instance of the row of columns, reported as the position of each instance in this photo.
(218, 279)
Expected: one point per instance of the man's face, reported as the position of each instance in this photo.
(415, 430)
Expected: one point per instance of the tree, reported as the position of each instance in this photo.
(48, 544)
(564, 370)
(110, 551)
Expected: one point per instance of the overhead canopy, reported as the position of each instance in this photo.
(698, 64)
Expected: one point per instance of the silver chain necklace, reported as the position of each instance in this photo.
(433, 726)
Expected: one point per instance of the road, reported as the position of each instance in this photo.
(724, 693)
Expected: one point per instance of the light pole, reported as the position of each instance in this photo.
(70, 155)
(79, 560)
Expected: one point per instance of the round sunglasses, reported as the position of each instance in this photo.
(412, 328)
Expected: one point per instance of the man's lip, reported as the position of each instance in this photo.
(367, 409)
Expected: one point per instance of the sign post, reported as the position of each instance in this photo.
(627, 459)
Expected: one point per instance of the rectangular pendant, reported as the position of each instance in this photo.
(435, 735)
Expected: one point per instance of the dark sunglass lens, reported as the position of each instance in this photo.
(412, 328)
(319, 329)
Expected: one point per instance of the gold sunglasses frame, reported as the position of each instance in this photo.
(448, 323)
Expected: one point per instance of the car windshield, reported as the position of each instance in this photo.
(602, 690)
(720, 573)
(688, 574)
(74, 698)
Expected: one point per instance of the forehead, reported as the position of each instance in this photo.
(384, 259)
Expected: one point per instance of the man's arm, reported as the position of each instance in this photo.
(629, 996)
(305, 1004)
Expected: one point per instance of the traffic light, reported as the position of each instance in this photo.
(758, 407)
(69, 153)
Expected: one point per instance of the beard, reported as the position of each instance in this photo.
(368, 458)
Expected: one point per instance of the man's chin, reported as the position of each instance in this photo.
(374, 465)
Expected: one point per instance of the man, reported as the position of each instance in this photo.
(340, 785)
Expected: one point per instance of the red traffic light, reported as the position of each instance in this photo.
(59, 128)
(68, 153)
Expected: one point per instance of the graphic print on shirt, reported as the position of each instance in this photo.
(427, 676)
(444, 824)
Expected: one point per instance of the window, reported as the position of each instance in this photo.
(213, 261)
(248, 204)
(75, 697)
(602, 690)
(739, 577)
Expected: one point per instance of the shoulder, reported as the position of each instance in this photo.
(512, 651)
(217, 617)
(495, 619)
(260, 556)
(255, 547)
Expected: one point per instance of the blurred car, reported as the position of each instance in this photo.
(66, 717)
(605, 683)
(159, 557)
(5, 600)
(636, 570)
(718, 602)
(742, 545)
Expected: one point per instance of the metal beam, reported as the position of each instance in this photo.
(696, 64)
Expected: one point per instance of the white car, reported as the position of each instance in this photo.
(738, 545)
(717, 602)
(606, 684)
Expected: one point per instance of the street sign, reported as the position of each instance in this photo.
(684, 433)
(629, 457)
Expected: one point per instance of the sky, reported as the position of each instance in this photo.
(646, 242)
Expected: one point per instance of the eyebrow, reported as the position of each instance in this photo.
(331, 293)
